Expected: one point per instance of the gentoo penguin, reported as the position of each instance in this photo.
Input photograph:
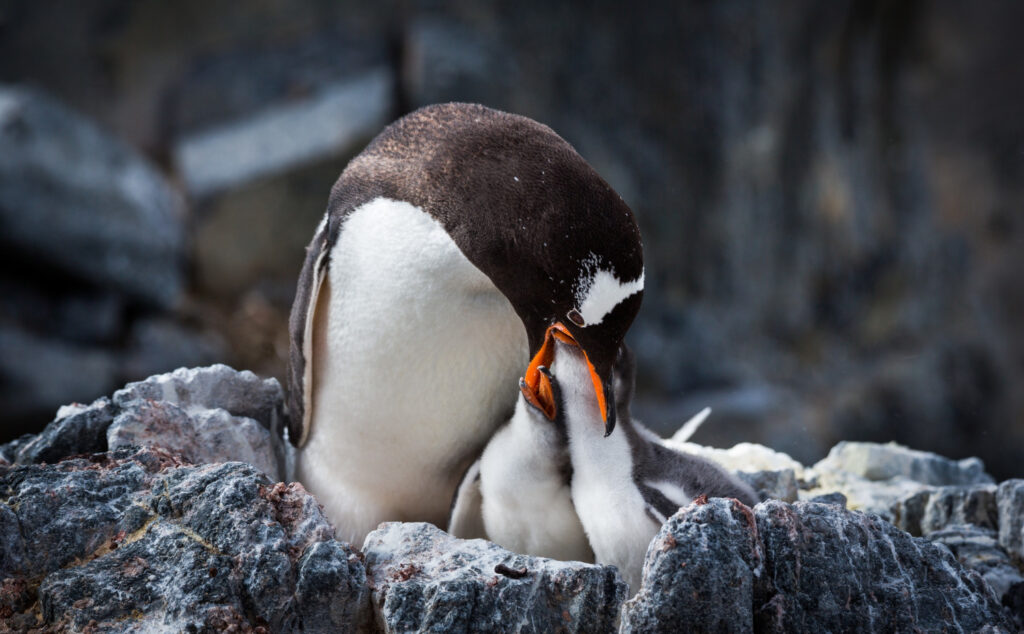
(517, 494)
(450, 247)
(626, 483)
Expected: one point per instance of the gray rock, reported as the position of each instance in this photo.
(932, 510)
(284, 136)
(978, 549)
(836, 499)
(81, 430)
(828, 569)
(777, 485)
(137, 540)
(1010, 502)
(700, 573)
(424, 580)
(205, 437)
(875, 461)
(214, 387)
(65, 183)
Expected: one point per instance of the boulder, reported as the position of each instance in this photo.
(802, 567)
(135, 539)
(64, 183)
(424, 580)
(1010, 504)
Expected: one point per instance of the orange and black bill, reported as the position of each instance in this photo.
(537, 387)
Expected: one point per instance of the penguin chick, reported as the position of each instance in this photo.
(627, 483)
(517, 494)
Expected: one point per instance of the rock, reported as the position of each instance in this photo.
(802, 567)
(424, 580)
(931, 510)
(836, 499)
(325, 123)
(214, 387)
(978, 549)
(1010, 503)
(136, 539)
(700, 573)
(80, 430)
(205, 437)
(158, 345)
(744, 456)
(82, 202)
(777, 485)
(874, 461)
(828, 569)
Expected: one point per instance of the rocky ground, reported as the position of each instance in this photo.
(163, 508)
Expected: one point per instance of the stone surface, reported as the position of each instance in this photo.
(874, 461)
(1010, 503)
(931, 510)
(76, 430)
(799, 568)
(283, 137)
(424, 580)
(978, 549)
(63, 182)
(778, 485)
(700, 573)
(137, 540)
(827, 569)
(204, 437)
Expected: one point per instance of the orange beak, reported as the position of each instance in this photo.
(537, 387)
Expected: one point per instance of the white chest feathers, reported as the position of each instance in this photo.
(415, 361)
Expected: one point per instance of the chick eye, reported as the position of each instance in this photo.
(576, 318)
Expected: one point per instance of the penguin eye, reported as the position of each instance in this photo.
(576, 318)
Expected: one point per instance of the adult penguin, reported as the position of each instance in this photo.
(451, 248)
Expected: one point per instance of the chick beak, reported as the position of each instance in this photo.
(536, 386)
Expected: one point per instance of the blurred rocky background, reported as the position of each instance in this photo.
(831, 193)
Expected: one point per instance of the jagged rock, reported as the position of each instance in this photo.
(700, 573)
(424, 580)
(777, 485)
(1010, 502)
(76, 430)
(135, 539)
(978, 549)
(802, 567)
(931, 510)
(829, 569)
(874, 461)
(836, 499)
(208, 436)
(65, 183)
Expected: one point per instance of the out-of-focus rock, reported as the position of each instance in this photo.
(931, 510)
(424, 580)
(203, 437)
(137, 540)
(79, 201)
(875, 461)
(978, 549)
(777, 485)
(157, 345)
(701, 573)
(323, 124)
(1010, 503)
(744, 456)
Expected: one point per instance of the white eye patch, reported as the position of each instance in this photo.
(601, 293)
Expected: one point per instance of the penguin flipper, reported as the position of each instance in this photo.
(466, 518)
(301, 327)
